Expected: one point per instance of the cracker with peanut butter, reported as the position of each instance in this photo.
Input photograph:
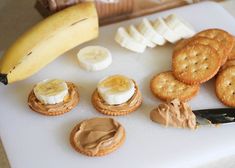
(97, 136)
(166, 87)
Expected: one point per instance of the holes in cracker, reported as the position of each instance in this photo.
(195, 63)
(164, 80)
(184, 57)
(205, 58)
(227, 83)
(205, 66)
(185, 66)
(194, 53)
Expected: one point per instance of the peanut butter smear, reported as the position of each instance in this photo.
(175, 113)
(70, 101)
(97, 134)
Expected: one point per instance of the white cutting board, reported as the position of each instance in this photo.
(32, 140)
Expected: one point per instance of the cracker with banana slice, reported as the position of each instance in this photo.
(53, 97)
(117, 95)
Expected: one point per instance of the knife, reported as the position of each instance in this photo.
(215, 116)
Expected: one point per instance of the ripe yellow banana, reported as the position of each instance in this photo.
(47, 40)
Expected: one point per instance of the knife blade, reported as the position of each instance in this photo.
(215, 116)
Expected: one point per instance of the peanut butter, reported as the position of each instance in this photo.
(175, 113)
(97, 134)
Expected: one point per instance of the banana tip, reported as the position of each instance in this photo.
(3, 79)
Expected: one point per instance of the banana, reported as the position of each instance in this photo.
(136, 35)
(47, 40)
(162, 28)
(125, 40)
(179, 26)
(116, 89)
(51, 91)
(147, 30)
(94, 58)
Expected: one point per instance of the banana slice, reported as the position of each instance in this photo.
(162, 28)
(123, 38)
(139, 37)
(94, 58)
(179, 26)
(51, 91)
(147, 30)
(116, 89)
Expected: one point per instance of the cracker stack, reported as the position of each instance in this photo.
(197, 60)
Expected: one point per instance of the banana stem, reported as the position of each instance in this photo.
(3, 79)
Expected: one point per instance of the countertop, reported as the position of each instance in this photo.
(13, 23)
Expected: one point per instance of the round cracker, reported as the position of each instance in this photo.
(180, 44)
(212, 43)
(231, 55)
(225, 86)
(195, 64)
(225, 39)
(166, 87)
(228, 64)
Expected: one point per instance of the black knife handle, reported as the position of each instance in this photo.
(218, 115)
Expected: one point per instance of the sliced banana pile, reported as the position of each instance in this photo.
(116, 89)
(51, 91)
(152, 33)
(126, 41)
(94, 58)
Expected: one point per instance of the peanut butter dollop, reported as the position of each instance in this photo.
(97, 134)
(175, 113)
